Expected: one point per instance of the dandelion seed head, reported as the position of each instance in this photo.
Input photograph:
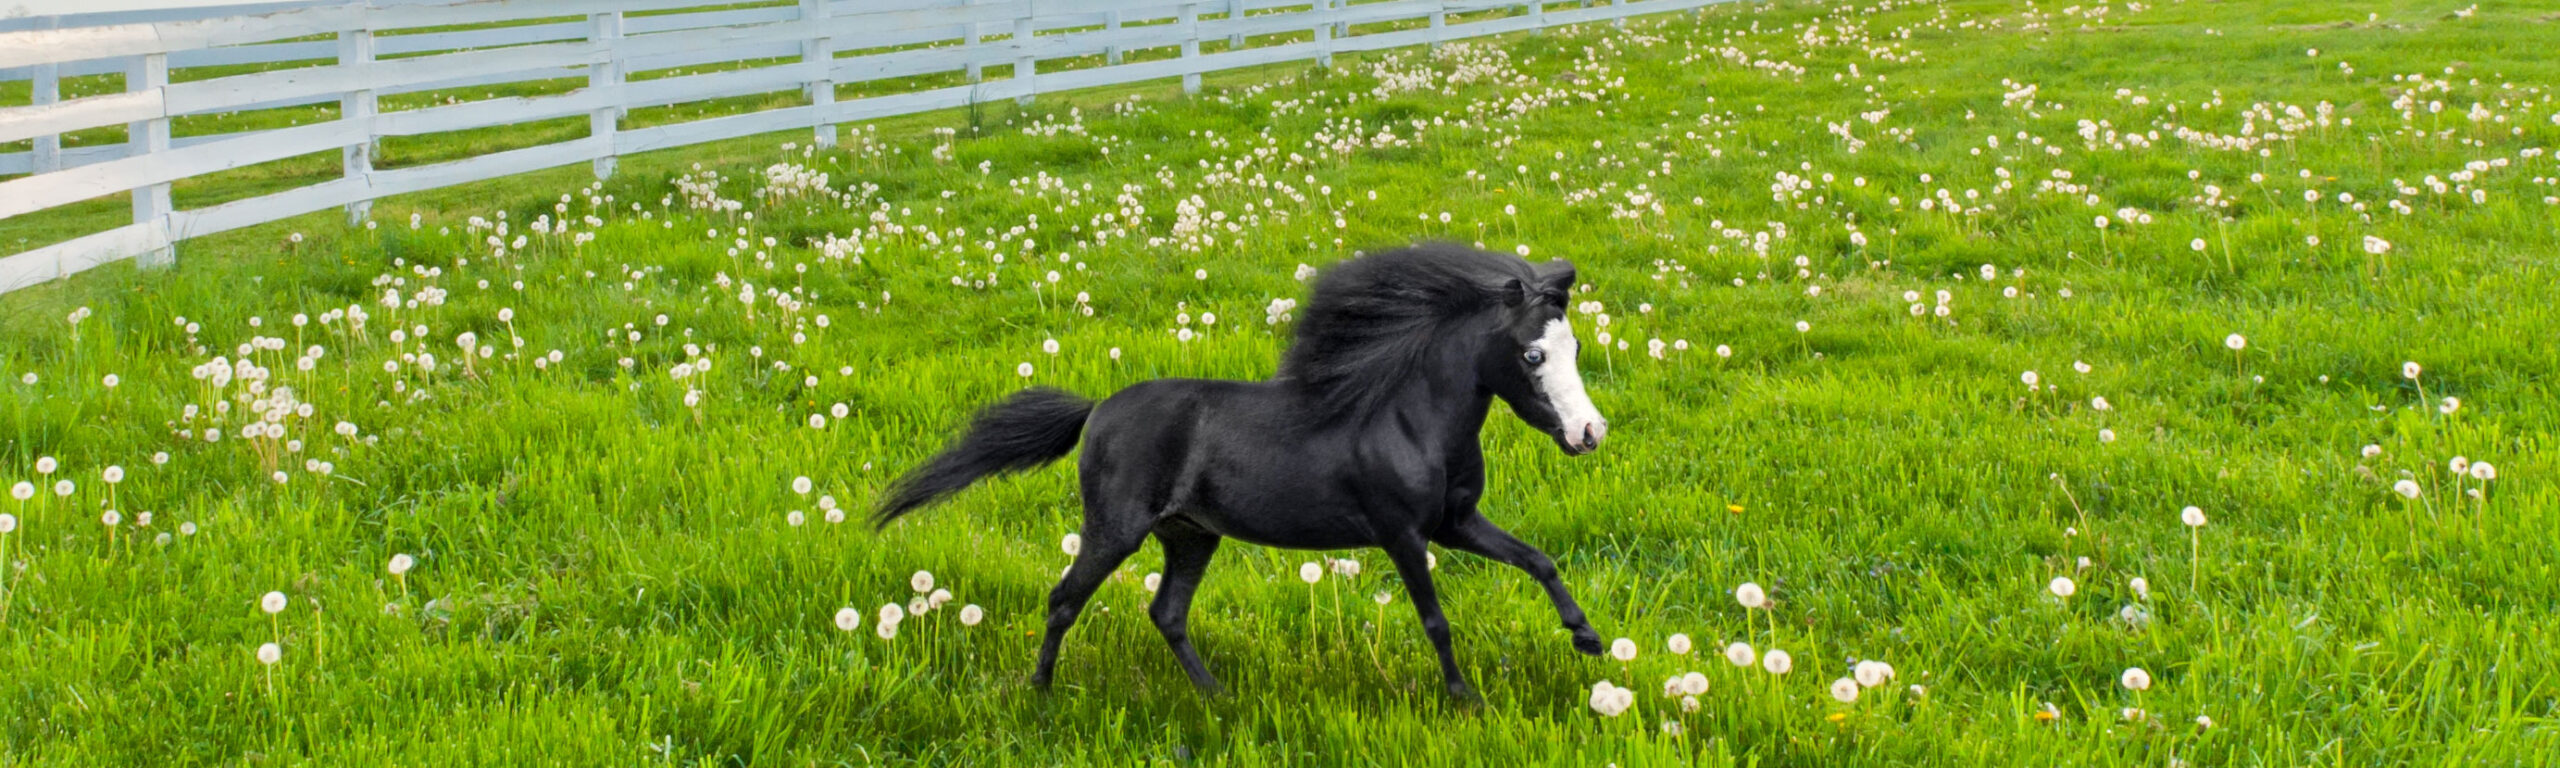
(1777, 662)
(2135, 679)
(1872, 673)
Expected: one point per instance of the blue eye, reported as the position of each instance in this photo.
(1535, 356)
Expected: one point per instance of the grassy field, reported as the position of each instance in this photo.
(1954, 301)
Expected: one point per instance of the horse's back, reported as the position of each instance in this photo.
(1240, 459)
(1140, 439)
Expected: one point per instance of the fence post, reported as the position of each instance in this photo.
(357, 107)
(604, 76)
(1111, 21)
(819, 54)
(1191, 48)
(1439, 24)
(1538, 16)
(46, 81)
(1619, 7)
(1023, 66)
(1324, 33)
(969, 39)
(1235, 14)
(150, 203)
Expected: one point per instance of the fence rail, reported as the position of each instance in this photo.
(354, 52)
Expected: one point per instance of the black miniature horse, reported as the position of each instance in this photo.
(1366, 438)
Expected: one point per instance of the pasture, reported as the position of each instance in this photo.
(1920, 327)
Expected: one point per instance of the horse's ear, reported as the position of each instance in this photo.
(1513, 292)
(1556, 277)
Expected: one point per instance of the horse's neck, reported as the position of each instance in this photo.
(1454, 410)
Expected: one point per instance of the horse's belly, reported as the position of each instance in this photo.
(1287, 515)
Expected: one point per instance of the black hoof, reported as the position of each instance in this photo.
(1588, 642)
(1465, 695)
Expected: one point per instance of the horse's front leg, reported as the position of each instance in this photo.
(1473, 533)
(1413, 561)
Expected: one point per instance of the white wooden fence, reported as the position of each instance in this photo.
(353, 52)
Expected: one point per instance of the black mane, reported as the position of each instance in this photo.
(1373, 319)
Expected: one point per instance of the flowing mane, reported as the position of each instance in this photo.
(1374, 318)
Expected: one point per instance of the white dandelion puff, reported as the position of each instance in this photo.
(1872, 673)
(1777, 662)
(2135, 679)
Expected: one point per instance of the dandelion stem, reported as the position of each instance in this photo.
(4, 574)
(1311, 614)
(2195, 560)
(2224, 226)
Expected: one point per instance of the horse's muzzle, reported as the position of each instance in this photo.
(1588, 441)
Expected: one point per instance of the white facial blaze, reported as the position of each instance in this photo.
(1561, 382)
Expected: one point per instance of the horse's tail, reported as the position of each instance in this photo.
(1032, 428)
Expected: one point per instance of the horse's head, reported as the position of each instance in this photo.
(1530, 363)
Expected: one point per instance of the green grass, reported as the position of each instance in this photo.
(606, 576)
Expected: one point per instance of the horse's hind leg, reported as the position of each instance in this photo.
(1474, 533)
(1187, 551)
(1106, 542)
(1413, 562)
